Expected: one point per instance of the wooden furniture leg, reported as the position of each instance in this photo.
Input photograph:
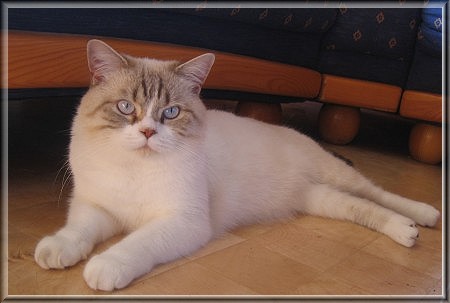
(266, 112)
(338, 124)
(425, 143)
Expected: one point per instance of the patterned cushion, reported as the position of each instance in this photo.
(379, 32)
(364, 67)
(426, 70)
(317, 20)
(425, 73)
(371, 44)
(429, 37)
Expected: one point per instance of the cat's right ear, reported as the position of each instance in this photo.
(103, 60)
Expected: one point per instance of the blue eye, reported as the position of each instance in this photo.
(125, 107)
(171, 112)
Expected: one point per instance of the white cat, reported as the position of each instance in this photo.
(150, 161)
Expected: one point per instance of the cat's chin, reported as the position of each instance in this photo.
(145, 150)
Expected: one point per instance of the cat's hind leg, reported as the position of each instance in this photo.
(422, 213)
(326, 201)
(347, 179)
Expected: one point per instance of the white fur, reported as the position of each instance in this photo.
(171, 195)
(241, 171)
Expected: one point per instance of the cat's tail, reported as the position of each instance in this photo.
(345, 178)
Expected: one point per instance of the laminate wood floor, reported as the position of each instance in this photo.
(305, 256)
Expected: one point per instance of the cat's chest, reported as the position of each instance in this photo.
(132, 192)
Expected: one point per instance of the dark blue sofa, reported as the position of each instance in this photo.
(388, 59)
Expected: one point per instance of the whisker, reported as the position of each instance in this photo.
(65, 166)
(97, 145)
(66, 179)
(64, 131)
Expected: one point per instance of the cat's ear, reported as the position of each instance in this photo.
(197, 70)
(103, 60)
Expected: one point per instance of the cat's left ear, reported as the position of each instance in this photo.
(197, 70)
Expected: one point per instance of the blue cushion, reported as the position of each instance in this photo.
(425, 73)
(364, 67)
(371, 44)
(429, 37)
(317, 20)
(379, 32)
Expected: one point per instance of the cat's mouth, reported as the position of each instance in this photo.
(140, 145)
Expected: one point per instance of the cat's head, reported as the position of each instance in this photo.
(140, 104)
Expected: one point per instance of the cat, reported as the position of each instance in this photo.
(149, 160)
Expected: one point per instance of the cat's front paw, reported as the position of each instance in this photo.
(402, 230)
(106, 272)
(59, 252)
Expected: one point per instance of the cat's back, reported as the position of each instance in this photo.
(243, 133)
(234, 127)
(245, 148)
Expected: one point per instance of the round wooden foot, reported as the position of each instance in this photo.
(425, 143)
(338, 124)
(266, 112)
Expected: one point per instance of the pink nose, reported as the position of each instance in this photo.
(148, 132)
